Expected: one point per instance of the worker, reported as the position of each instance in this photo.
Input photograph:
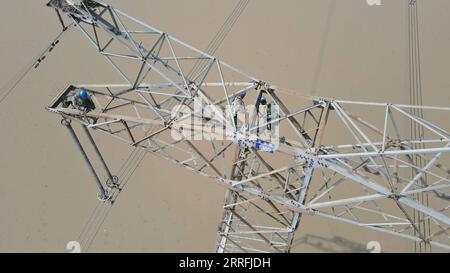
(267, 111)
(84, 101)
(238, 106)
(80, 100)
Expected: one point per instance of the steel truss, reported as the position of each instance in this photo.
(366, 182)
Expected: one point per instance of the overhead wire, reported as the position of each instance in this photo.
(417, 131)
(323, 47)
(104, 209)
(220, 36)
(12, 84)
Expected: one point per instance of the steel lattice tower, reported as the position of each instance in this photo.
(271, 182)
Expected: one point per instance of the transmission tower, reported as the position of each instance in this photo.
(275, 169)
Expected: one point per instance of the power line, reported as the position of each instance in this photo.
(101, 211)
(221, 35)
(323, 47)
(417, 130)
(9, 87)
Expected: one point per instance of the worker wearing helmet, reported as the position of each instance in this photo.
(83, 101)
(238, 106)
(263, 101)
(267, 111)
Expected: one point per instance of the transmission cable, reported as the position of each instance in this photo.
(323, 47)
(11, 85)
(417, 130)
